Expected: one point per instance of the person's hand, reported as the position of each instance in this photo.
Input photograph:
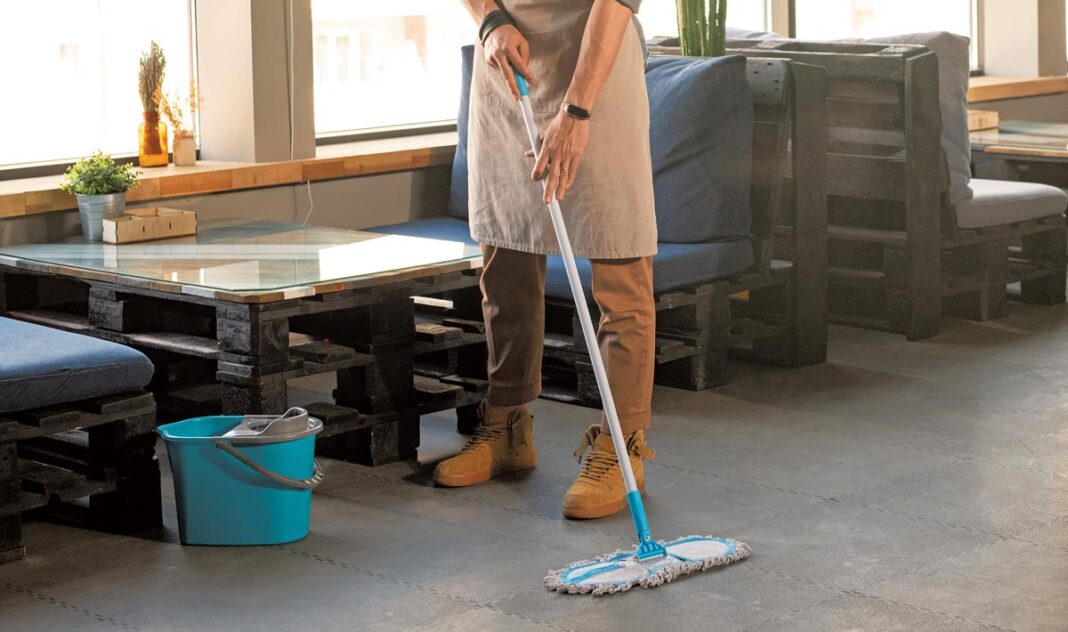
(506, 48)
(561, 151)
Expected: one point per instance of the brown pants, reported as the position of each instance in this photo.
(513, 304)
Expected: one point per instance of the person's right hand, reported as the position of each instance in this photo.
(506, 48)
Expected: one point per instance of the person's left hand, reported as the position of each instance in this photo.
(561, 151)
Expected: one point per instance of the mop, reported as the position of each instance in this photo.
(652, 562)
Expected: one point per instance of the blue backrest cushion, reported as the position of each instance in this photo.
(701, 132)
(458, 186)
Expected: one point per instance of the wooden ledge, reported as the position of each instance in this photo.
(31, 196)
(995, 88)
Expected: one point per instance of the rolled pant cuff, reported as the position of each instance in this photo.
(631, 423)
(512, 395)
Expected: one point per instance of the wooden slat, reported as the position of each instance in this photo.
(42, 195)
(991, 88)
(867, 177)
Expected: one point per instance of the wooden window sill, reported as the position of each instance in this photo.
(31, 196)
(995, 88)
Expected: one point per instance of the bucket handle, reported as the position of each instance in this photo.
(295, 483)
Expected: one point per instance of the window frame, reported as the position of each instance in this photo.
(44, 168)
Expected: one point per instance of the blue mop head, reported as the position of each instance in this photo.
(623, 570)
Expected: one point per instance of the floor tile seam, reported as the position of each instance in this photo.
(487, 503)
(866, 595)
(382, 577)
(66, 605)
(949, 615)
(790, 613)
(795, 492)
(905, 446)
(1023, 539)
(952, 525)
(925, 565)
(752, 522)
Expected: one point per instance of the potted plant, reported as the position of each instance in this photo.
(702, 27)
(185, 145)
(152, 134)
(100, 185)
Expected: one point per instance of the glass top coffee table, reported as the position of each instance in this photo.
(1024, 138)
(250, 261)
(232, 314)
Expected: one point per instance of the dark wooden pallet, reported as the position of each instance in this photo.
(90, 463)
(213, 356)
(775, 312)
(897, 257)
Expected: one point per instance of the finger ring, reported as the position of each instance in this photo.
(565, 169)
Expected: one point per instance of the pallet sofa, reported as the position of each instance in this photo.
(911, 235)
(74, 424)
(744, 286)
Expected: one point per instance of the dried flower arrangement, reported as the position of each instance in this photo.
(150, 77)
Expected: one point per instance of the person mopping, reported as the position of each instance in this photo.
(585, 59)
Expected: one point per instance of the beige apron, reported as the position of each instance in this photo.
(609, 209)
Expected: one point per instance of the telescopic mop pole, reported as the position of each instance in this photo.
(647, 547)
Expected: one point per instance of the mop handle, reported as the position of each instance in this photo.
(588, 332)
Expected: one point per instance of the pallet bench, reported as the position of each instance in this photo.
(774, 311)
(897, 258)
(77, 434)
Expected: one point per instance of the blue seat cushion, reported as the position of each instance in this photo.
(675, 266)
(458, 185)
(701, 137)
(449, 228)
(42, 367)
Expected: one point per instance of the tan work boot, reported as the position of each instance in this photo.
(502, 442)
(599, 490)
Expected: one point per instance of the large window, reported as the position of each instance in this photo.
(391, 64)
(386, 64)
(836, 19)
(658, 17)
(70, 73)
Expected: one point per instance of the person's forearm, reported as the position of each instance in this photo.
(479, 8)
(607, 24)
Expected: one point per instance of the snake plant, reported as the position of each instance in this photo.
(702, 27)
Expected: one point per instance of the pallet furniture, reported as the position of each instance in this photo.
(229, 316)
(898, 258)
(1035, 152)
(773, 310)
(77, 434)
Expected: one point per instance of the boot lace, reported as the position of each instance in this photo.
(598, 464)
(485, 435)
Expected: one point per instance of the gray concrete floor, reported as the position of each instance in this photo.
(900, 486)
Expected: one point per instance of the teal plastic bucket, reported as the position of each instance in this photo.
(248, 487)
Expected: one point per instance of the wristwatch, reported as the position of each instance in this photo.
(581, 114)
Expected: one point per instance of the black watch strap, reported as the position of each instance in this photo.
(581, 114)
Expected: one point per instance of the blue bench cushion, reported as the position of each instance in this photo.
(701, 135)
(40, 366)
(674, 266)
(458, 186)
